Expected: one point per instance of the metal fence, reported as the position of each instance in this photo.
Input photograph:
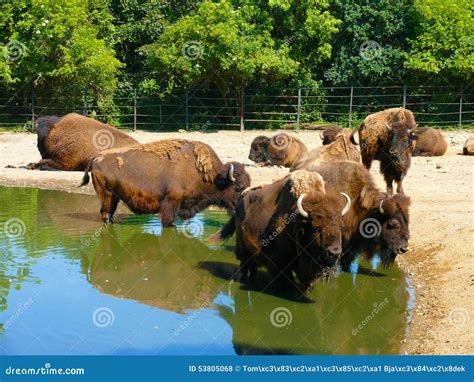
(199, 109)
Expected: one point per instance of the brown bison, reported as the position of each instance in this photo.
(429, 143)
(330, 133)
(376, 222)
(175, 177)
(340, 149)
(280, 150)
(468, 148)
(388, 137)
(68, 143)
(291, 225)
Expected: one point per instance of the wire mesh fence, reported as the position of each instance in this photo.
(199, 109)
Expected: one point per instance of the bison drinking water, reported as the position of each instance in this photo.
(291, 225)
(175, 177)
(376, 222)
(280, 150)
(388, 137)
(429, 143)
(68, 143)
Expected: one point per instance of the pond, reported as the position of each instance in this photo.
(70, 285)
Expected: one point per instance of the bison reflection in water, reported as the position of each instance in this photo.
(174, 177)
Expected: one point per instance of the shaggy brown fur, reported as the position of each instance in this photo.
(280, 150)
(390, 233)
(429, 143)
(175, 177)
(272, 233)
(468, 148)
(69, 142)
(331, 132)
(392, 147)
(340, 149)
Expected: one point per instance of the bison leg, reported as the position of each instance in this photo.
(400, 186)
(109, 205)
(45, 165)
(366, 160)
(168, 211)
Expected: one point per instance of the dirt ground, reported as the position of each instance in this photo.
(440, 261)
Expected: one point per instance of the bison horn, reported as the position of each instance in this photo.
(348, 204)
(388, 126)
(299, 205)
(382, 211)
(231, 173)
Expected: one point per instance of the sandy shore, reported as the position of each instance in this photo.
(440, 262)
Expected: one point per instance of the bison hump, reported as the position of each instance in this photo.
(305, 182)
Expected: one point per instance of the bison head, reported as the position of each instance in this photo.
(392, 215)
(231, 180)
(258, 149)
(400, 142)
(320, 235)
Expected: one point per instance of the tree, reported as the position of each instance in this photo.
(444, 43)
(218, 45)
(370, 49)
(59, 46)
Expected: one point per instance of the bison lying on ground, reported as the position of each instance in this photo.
(388, 137)
(280, 150)
(429, 143)
(376, 222)
(175, 177)
(331, 132)
(468, 148)
(291, 225)
(340, 149)
(68, 143)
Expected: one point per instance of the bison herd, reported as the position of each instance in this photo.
(324, 213)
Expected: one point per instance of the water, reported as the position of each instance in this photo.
(70, 285)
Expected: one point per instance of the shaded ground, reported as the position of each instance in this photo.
(440, 261)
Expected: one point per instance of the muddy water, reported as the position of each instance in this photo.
(70, 285)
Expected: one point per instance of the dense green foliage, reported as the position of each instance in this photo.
(61, 47)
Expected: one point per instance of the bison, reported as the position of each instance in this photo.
(280, 150)
(429, 143)
(468, 148)
(330, 133)
(377, 222)
(340, 149)
(388, 136)
(175, 177)
(68, 143)
(291, 225)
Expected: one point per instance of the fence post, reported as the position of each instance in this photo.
(404, 101)
(460, 107)
(84, 99)
(242, 106)
(298, 112)
(350, 107)
(134, 109)
(33, 106)
(186, 110)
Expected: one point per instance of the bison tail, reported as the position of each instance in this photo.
(224, 233)
(86, 178)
